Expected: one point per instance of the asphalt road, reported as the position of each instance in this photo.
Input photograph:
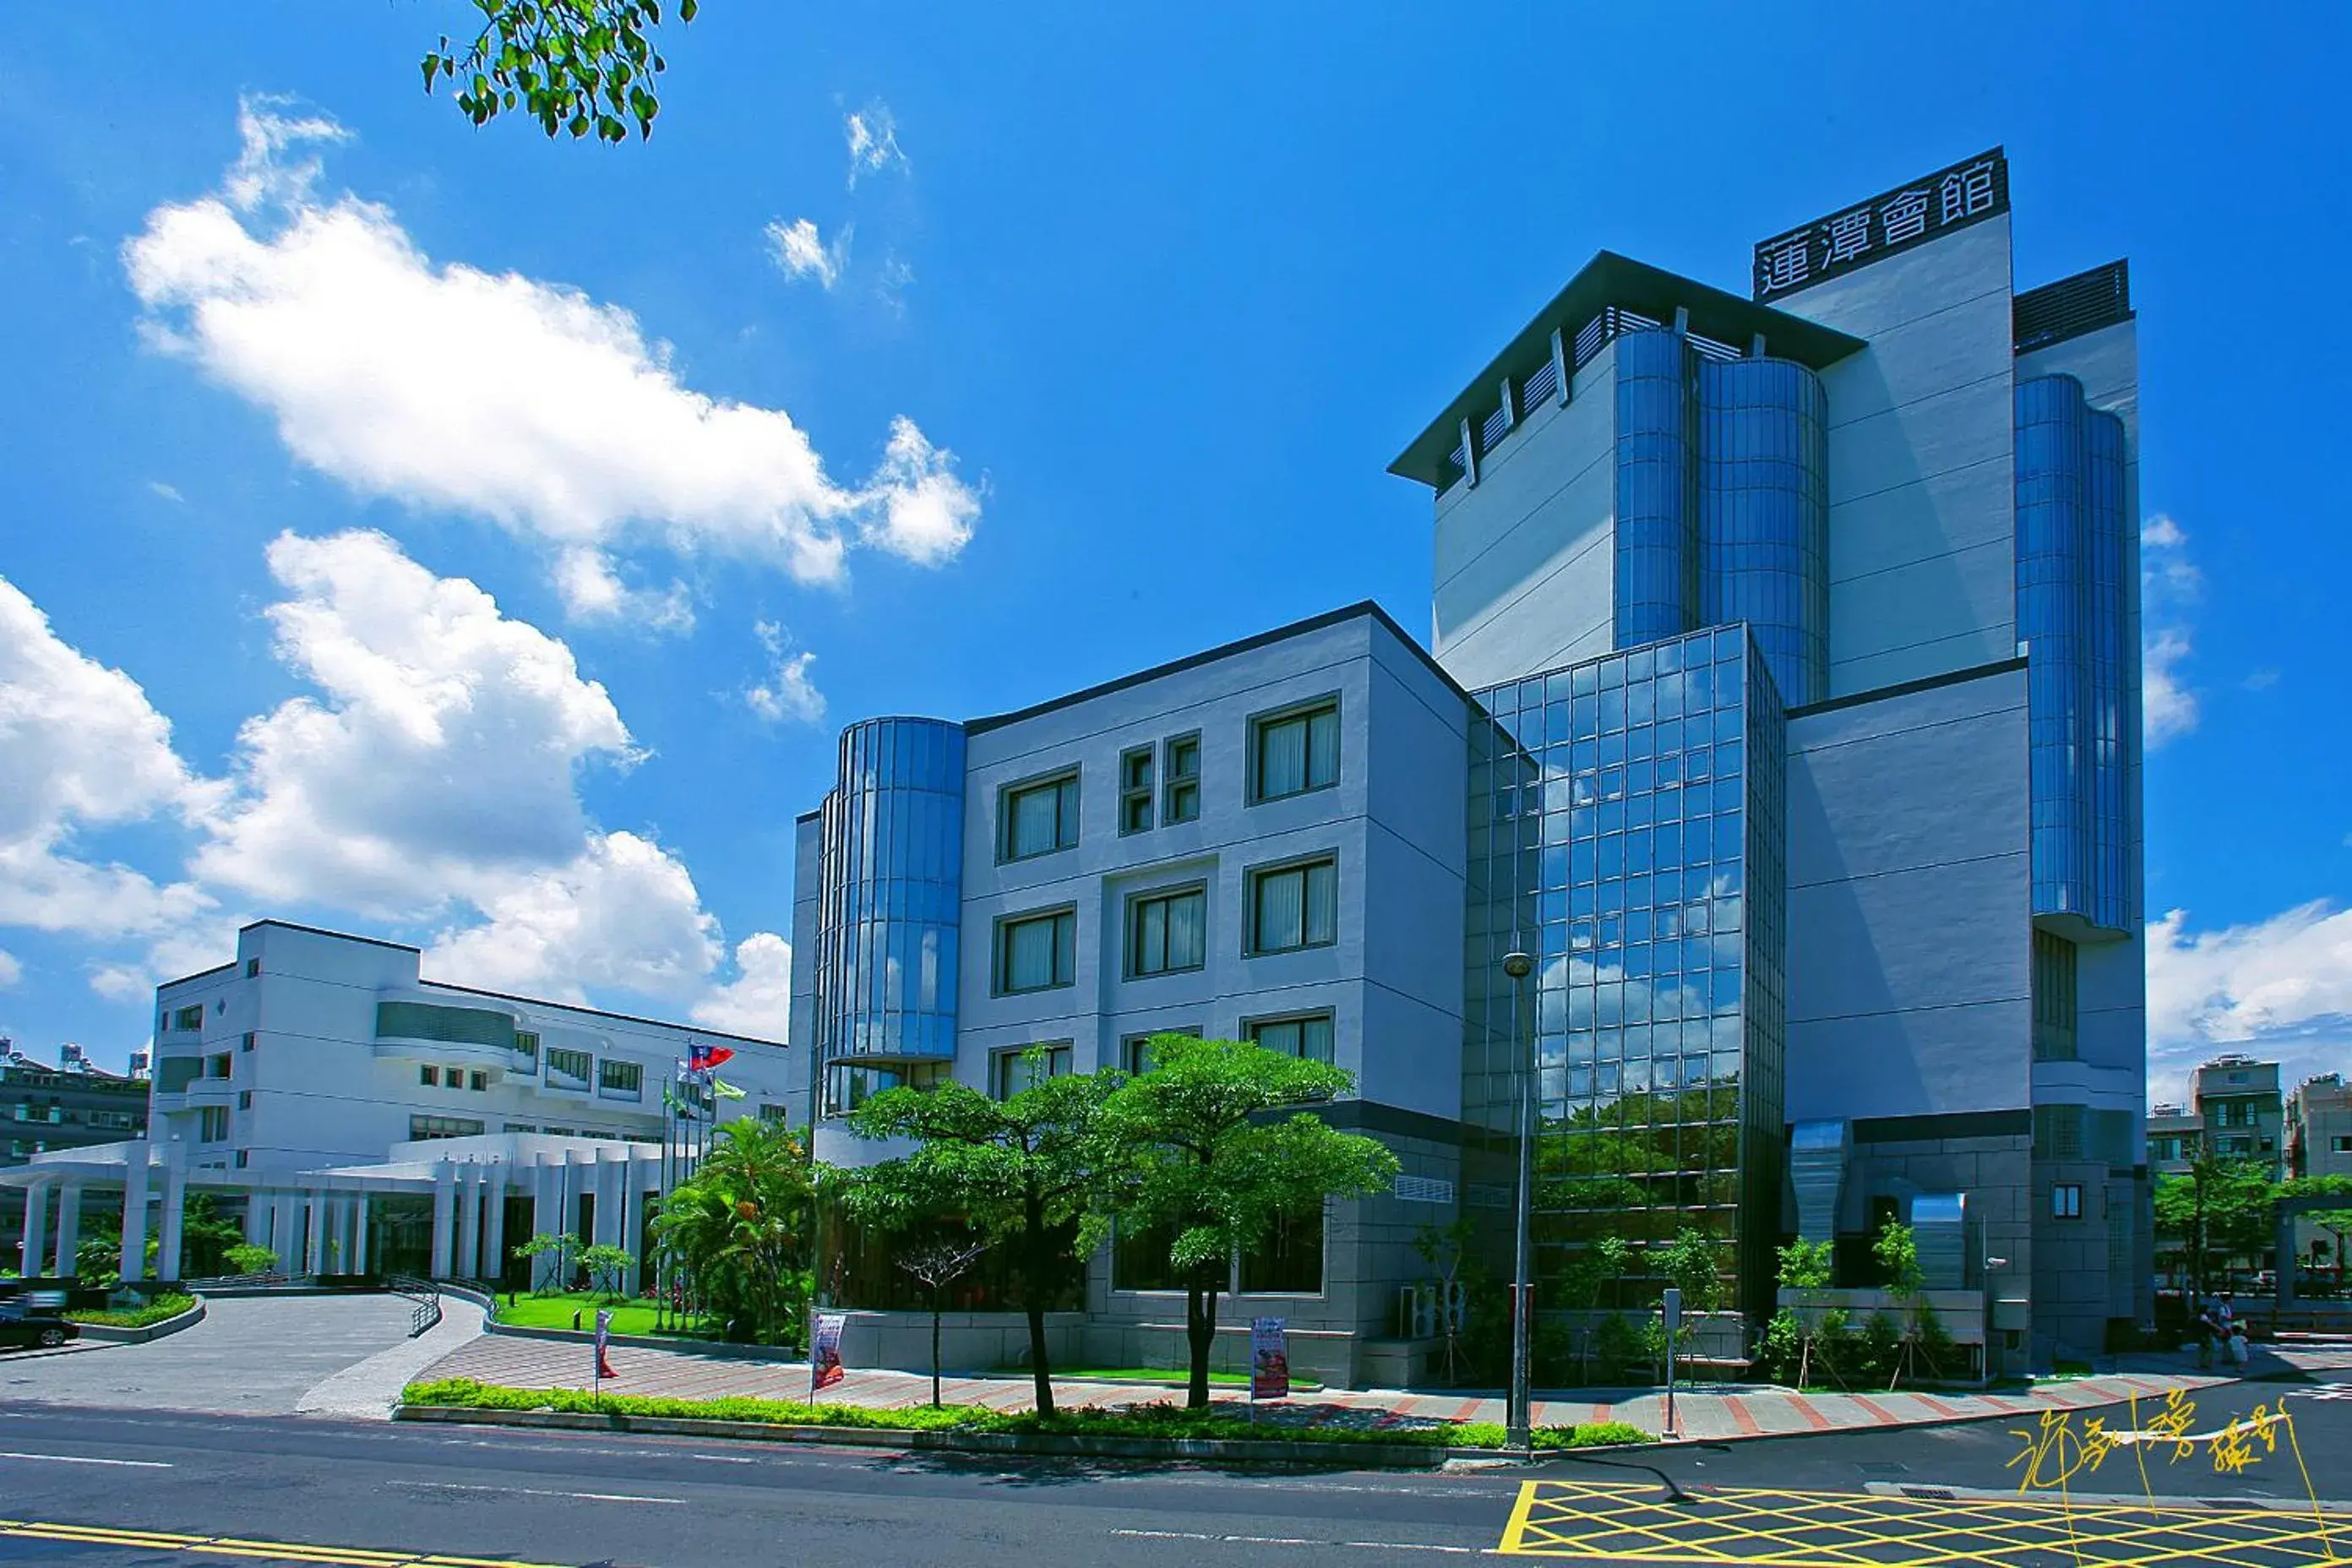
(542, 1498)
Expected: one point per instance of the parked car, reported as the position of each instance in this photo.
(19, 1328)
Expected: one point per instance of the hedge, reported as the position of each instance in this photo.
(1168, 1421)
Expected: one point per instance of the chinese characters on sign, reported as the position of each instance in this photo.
(1270, 1359)
(1857, 235)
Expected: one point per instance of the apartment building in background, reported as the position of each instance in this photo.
(2320, 1143)
(71, 1106)
(1781, 696)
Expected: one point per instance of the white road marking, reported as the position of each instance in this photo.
(536, 1491)
(1297, 1541)
(82, 1459)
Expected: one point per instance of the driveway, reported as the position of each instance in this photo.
(342, 1355)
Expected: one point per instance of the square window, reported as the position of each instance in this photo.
(615, 1078)
(1290, 1260)
(1134, 791)
(213, 1124)
(2066, 1201)
(244, 1099)
(1293, 907)
(1167, 932)
(2340, 1144)
(1037, 818)
(1293, 753)
(1306, 1036)
(477, 1081)
(568, 1069)
(1037, 952)
(429, 1075)
(1010, 1072)
(252, 968)
(246, 1044)
(1183, 775)
(189, 1017)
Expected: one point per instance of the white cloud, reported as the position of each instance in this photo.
(441, 386)
(929, 513)
(165, 491)
(798, 252)
(11, 969)
(82, 748)
(2278, 988)
(591, 590)
(787, 692)
(873, 136)
(2170, 585)
(758, 1001)
(622, 913)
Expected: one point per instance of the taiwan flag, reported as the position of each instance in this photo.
(702, 1059)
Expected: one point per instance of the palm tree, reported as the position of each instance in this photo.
(744, 1227)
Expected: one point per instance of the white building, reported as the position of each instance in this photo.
(366, 1119)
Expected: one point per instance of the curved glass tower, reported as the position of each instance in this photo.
(1764, 515)
(2070, 606)
(1657, 470)
(891, 896)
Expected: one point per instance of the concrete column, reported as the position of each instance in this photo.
(314, 1232)
(134, 1212)
(335, 1211)
(361, 1261)
(37, 1230)
(256, 1218)
(546, 1212)
(469, 1262)
(611, 1185)
(445, 1203)
(68, 1226)
(175, 1209)
(644, 1175)
(494, 1221)
(285, 1232)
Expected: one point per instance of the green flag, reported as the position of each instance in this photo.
(726, 1091)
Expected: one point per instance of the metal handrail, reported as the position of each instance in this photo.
(424, 1297)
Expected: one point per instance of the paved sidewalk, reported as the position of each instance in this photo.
(1707, 1412)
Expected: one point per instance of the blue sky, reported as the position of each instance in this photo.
(452, 535)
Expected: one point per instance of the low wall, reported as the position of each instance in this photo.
(107, 1333)
(968, 1341)
(1328, 1356)
(1962, 1312)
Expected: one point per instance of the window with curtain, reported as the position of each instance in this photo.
(1167, 932)
(1306, 1036)
(1039, 818)
(1183, 779)
(1010, 1072)
(1037, 952)
(1293, 753)
(1294, 906)
(1134, 791)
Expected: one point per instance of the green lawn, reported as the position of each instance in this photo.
(630, 1316)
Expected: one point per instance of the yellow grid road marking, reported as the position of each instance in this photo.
(234, 1546)
(1777, 1529)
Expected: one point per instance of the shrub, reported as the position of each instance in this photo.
(155, 1311)
(1779, 1354)
(1618, 1347)
(250, 1260)
(1882, 1347)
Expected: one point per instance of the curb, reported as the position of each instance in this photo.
(107, 1333)
(1360, 1456)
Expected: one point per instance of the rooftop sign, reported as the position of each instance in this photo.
(1911, 213)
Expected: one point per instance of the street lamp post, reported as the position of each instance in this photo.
(1518, 1418)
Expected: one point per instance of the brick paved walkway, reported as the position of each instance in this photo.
(1707, 1412)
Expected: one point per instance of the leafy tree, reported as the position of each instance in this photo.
(2337, 1223)
(1023, 1172)
(1805, 1268)
(1897, 1247)
(743, 1227)
(607, 1264)
(580, 67)
(205, 1237)
(562, 1248)
(1216, 1153)
(2220, 1208)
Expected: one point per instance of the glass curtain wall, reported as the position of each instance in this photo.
(2073, 612)
(1626, 830)
(1723, 504)
(891, 901)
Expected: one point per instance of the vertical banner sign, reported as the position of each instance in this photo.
(603, 1333)
(825, 1351)
(1270, 1359)
(1911, 213)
